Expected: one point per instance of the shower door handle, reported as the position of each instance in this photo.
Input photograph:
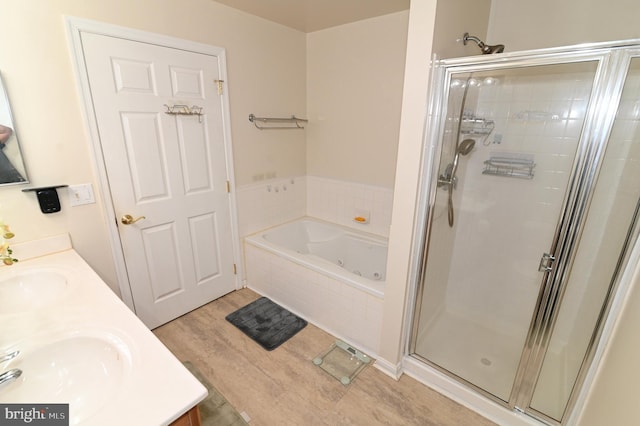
(546, 262)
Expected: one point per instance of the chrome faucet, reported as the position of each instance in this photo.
(10, 375)
(9, 356)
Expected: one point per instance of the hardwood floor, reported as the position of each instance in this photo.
(283, 387)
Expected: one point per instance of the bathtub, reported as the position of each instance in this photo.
(331, 275)
(357, 258)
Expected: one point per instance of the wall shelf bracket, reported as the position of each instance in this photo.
(47, 197)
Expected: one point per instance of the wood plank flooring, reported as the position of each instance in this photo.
(283, 387)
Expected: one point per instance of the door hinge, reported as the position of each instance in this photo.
(235, 270)
(228, 187)
(219, 83)
(546, 262)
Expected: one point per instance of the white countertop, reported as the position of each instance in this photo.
(151, 386)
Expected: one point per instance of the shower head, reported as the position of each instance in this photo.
(496, 48)
(486, 49)
(466, 146)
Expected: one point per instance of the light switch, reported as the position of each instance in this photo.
(81, 194)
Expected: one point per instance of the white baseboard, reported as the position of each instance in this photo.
(392, 370)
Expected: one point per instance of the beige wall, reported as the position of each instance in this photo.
(266, 69)
(453, 19)
(614, 395)
(354, 91)
(523, 25)
(414, 110)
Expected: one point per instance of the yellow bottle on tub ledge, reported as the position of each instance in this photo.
(361, 216)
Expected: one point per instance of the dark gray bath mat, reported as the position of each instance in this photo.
(266, 322)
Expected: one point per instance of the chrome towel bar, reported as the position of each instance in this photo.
(295, 121)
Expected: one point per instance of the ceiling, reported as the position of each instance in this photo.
(314, 15)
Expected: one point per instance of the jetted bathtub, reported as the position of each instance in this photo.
(332, 275)
(357, 258)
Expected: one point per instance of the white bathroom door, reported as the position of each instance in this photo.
(167, 171)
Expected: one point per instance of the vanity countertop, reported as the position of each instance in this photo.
(80, 344)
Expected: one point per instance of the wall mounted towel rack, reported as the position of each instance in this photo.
(184, 110)
(293, 121)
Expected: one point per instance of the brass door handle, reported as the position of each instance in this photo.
(127, 219)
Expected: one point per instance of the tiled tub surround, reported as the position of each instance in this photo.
(264, 204)
(336, 300)
(339, 202)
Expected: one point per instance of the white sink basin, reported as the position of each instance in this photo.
(31, 289)
(81, 370)
(80, 345)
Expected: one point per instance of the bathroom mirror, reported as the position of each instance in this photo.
(12, 170)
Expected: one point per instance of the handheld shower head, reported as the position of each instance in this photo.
(463, 148)
(466, 146)
(449, 177)
(486, 49)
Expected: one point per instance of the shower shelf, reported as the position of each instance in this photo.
(509, 167)
(476, 126)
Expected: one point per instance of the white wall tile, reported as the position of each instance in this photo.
(348, 313)
(269, 203)
(339, 202)
(495, 214)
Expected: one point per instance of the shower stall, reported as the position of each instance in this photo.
(529, 211)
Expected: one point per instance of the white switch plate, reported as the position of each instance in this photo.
(81, 194)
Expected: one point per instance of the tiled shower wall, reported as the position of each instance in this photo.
(505, 224)
(269, 203)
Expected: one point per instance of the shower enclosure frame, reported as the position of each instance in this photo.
(612, 58)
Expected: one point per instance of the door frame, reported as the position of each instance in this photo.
(75, 27)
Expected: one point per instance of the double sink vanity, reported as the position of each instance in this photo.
(66, 338)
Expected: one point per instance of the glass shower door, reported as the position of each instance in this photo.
(605, 238)
(510, 137)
